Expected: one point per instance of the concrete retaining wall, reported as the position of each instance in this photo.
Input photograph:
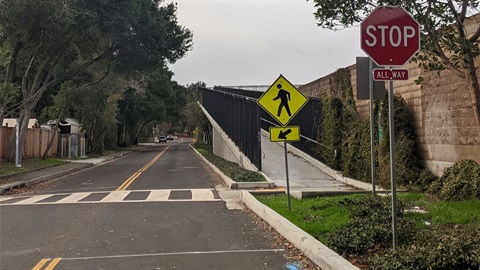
(224, 147)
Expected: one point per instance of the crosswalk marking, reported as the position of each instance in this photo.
(75, 197)
(202, 195)
(5, 198)
(162, 195)
(116, 196)
(33, 199)
(158, 195)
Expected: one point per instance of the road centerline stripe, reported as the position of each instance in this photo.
(132, 178)
(54, 263)
(40, 264)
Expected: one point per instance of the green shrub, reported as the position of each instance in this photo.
(370, 228)
(356, 151)
(457, 248)
(406, 162)
(459, 182)
(424, 181)
(331, 133)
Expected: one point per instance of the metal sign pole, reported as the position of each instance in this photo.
(17, 145)
(392, 163)
(372, 141)
(286, 171)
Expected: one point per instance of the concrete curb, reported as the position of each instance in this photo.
(302, 194)
(232, 184)
(320, 254)
(4, 188)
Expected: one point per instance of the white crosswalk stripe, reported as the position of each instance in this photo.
(158, 195)
(202, 195)
(116, 196)
(162, 195)
(33, 199)
(75, 197)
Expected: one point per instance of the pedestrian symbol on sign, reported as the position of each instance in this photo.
(284, 97)
(282, 100)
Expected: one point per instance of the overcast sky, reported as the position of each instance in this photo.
(250, 42)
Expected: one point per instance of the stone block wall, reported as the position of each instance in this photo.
(445, 125)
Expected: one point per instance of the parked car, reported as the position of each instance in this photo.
(162, 139)
(169, 138)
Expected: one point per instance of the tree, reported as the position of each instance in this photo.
(49, 42)
(445, 41)
(146, 104)
(57, 112)
(194, 116)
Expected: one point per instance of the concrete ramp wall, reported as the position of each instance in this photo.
(224, 147)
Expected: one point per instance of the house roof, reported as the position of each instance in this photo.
(12, 122)
(65, 122)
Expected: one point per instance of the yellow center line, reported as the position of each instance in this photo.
(132, 178)
(135, 175)
(50, 266)
(40, 264)
(54, 263)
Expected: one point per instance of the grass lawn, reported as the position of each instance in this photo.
(316, 216)
(441, 212)
(28, 165)
(321, 216)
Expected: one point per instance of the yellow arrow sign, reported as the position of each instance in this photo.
(285, 134)
(282, 100)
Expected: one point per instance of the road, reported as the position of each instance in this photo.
(159, 208)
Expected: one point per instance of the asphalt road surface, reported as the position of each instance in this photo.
(158, 208)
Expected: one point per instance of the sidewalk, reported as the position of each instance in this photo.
(17, 180)
(305, 178)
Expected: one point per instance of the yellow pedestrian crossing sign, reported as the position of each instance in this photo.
(282, 100)
(285, 134)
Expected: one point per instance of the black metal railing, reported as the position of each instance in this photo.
(239, 117)
(307, 119)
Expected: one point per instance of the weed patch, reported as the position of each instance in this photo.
(231, 169)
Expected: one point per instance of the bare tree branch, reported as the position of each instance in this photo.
(101, 78)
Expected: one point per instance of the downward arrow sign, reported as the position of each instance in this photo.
(283, 135)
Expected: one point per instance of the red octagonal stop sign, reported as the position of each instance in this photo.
(390, 36)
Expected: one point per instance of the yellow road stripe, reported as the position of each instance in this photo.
(40, 264)
(135, 175)
(132, 178)
(54, 263)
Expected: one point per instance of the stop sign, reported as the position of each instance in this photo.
(390, 36)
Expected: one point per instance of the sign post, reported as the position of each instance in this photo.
(283, 101)
(390, 36)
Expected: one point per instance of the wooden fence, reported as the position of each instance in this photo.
(35, 143)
